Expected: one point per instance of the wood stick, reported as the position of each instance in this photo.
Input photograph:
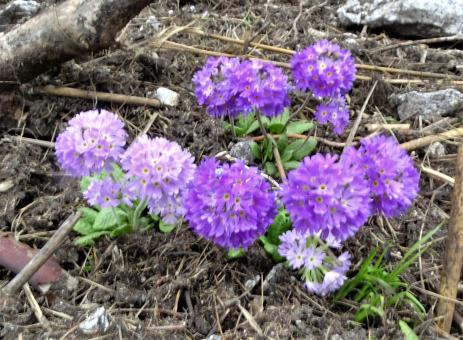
(425, 141)
(95, 95)
(437, 175)
(397, 127)
(61, 33)
(35, 306)
(456, 37)
(450, 275)
(43, 255)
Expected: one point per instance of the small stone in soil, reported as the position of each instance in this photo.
(97, 322)
(242, 150)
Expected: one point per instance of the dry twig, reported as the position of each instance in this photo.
(425, 141)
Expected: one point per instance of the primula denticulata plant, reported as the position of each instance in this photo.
(325, 200)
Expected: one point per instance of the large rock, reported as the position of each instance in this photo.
(427, 104)
(420, 18)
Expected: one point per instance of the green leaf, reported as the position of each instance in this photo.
(239, 131)
(271, 249)
(268, 155)
(166, 228)
(286, 155)
(88, 214)
(120, 230)
(306, 149)
(253, 127)
(290, 165)
(280, 224)
(83, 227)
(282, 142)
(276, 127)
(271, 169)
(255, 150)
(85, 183)
(299, 127)
(105, 219)
(235, 253)
(408, 333)
(89, 240)
(118, 174)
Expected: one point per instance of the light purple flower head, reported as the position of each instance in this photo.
(334, 112)
(231, 205)
(323, 68)
(392, 178)
(294, 248)
(159, 171)
(104, 193)
(91, 142)
(214, 87)
(262, 86)
(327, 197)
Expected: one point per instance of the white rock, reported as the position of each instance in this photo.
(97, 322)
(436, 149)
(421, 18)
(167, 96)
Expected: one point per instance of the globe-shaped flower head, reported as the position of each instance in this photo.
(334, 112)
(326, 197)
(214, 87)
(392, 178)
(160, 172)
(263, 87)
(230, 205)
(323, 68)
(91, 142)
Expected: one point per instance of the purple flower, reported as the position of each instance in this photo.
(323, 68)
(262, 86)
(294, 248)
(327, 197)
(159, 171)
(91, 142)
(215, 89)
(230, 205)
(392, 179)
(335, 112)
(104, 193)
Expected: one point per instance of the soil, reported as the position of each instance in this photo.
(156, 285)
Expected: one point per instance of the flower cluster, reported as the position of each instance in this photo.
(230, 87)
(323, 68)
(105, 193)
(92, 141)
(328, 72)
(322, 272)
(231, 205)
(392, 178)
(160, 171)
(335, 112)
(328, 197)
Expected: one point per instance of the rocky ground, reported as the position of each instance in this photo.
(155, 285)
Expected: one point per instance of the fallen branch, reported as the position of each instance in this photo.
(388, 127)
(437, 175)
(450, 275)
(94, 95)
(61, 33)
(50, 271)
(425, 141)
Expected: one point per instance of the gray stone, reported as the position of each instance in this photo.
(436, 149)
(97, 322)
(18, 10)
(274, 276)
(427, 104)
(242, 150)
(420, 18)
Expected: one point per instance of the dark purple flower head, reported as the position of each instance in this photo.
(104, 193)
(327, 197)
(263, 87)
(91, 142)
(231, 205)
(160, 171)
(214, 87)
(323, 68)
(323, 273)
(393, 180)
(334, 112)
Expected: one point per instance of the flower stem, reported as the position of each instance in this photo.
(276, 153)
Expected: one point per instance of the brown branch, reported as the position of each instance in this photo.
(95, 95)
(450, 275)
(425, 141)
(63, 32)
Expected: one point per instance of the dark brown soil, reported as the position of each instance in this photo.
(156, 285)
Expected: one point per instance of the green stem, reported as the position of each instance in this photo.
(137, 213)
